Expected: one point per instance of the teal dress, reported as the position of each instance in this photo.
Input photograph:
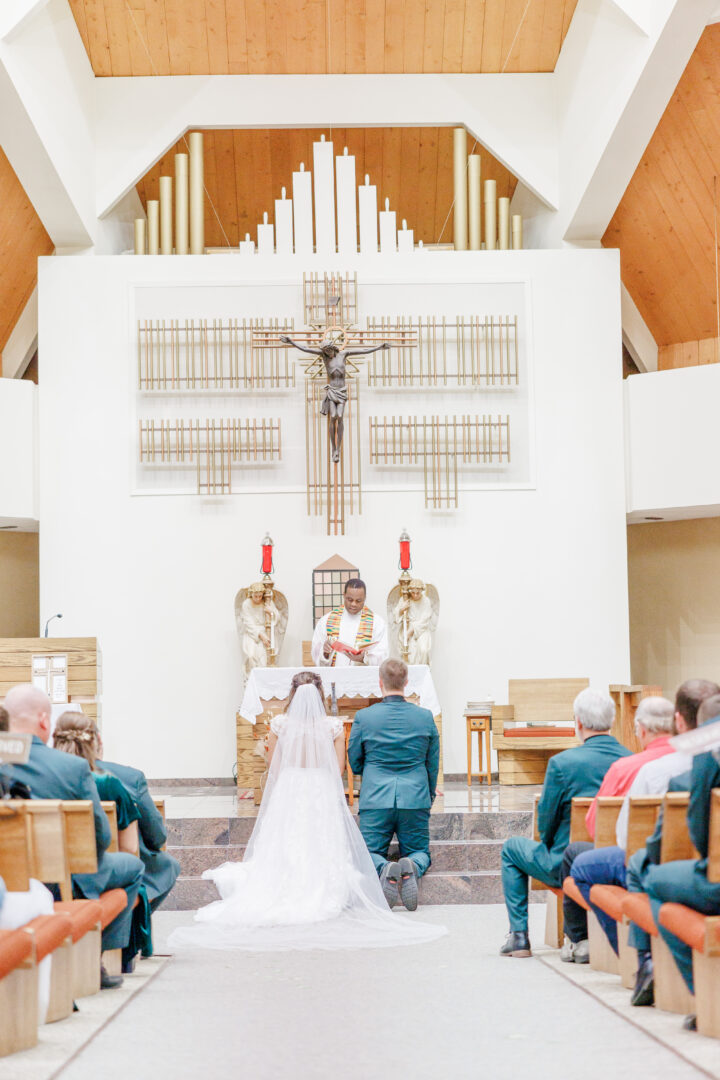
(110, 789)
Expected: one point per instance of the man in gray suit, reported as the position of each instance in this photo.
(50, 774)
(396, 747)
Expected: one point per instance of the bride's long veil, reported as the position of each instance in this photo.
(307, 879)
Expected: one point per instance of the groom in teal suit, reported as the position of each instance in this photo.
(396, 747)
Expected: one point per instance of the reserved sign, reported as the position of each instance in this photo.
(14, 749)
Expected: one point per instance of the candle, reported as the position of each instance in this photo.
(405, 560)
(367, 201)
(247, 246)
(302, 211)
(388, 230)
(324, 189)
(266, 237)
(283, 225)
(490, 215)
(405, 238)
(474, 200)
(267, 555)
(346, 204)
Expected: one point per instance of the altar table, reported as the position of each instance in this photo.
(356, 687)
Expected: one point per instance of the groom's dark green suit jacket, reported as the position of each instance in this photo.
(396, 747)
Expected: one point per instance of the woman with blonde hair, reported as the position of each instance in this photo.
(75, 733)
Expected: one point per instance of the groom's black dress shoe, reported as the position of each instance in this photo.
(390, 882)
(408, 884)
(516, 944)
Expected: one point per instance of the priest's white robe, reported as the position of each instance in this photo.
(349, 626)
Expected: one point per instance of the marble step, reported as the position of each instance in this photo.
(465, 850)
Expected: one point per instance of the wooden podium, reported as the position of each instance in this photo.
(82, 668)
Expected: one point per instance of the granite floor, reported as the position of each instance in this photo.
(450, 1008)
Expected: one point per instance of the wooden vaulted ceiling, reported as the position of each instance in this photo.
(245, 172)
(264, 37)
(665, 224)
(22, 240)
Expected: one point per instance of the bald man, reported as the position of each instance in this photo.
(51, 774)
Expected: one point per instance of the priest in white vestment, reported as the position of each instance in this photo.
(351, 634)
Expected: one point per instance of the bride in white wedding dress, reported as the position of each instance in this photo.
(307, 880)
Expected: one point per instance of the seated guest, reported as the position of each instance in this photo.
(52, 775)
(684, 881)
(161, 869)
(75, 733)
(577, 772)
(16, 910)
(654, 727)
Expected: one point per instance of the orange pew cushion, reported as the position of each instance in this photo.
(49, 933)
(570, 889)
(84, 915)
(15, 947)
(685, 923)
(539, 733)
(637, 908)
(610, 899)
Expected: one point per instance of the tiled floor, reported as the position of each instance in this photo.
(212, 801)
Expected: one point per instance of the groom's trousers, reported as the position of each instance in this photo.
(412, 828)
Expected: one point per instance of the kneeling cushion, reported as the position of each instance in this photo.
(610, 899)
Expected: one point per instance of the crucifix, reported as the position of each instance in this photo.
(333, 352)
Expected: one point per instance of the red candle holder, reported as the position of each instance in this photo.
(267, 555)
(405, 560)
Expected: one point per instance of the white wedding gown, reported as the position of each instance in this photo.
(307, 880)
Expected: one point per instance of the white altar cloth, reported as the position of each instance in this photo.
(268, 683)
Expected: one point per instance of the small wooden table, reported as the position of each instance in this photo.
(481, 724)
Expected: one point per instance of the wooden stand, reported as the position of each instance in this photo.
(627, 699)
(480, 724)
(83, 666)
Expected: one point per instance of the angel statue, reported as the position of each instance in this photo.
(413, 618)
(261, 614)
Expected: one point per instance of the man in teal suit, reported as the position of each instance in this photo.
(575, 772)
(396, 747)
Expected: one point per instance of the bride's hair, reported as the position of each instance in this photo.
(302, 679)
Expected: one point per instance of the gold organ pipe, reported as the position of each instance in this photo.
(460, 190)
(166, 241)
(474, 200)
(181, 204)
(197, 194)
(153, 227)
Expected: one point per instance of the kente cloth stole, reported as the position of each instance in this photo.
(365, 630)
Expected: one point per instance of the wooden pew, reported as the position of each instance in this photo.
(702, 934)
(18, 992)
(671, 993)
(602, 956)
(18, 971)
(79, 822)
(554, 908)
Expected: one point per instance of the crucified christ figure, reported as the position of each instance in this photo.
(336, 393)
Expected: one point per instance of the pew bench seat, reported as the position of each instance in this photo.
(702, 934)
(671, 993)
(51, 935)
(18, 993)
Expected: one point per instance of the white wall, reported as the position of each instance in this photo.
(533, 581)
(672, 443)
(18, 436)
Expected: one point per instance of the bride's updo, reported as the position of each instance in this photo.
(76, 733)
(302, 679)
